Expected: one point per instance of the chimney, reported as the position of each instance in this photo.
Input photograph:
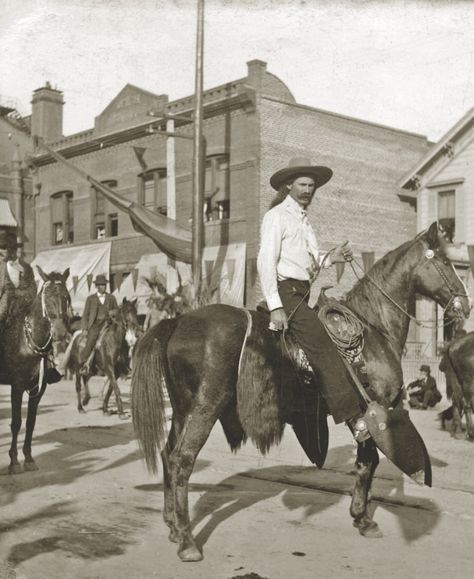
(47, 113)
(256, 70)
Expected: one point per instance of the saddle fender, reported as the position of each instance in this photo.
(396, 436)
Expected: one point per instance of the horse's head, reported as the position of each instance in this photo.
(128, 313)
(56, 302)
(436, 278)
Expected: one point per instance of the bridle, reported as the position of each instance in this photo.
(431, 256)
(38, 349)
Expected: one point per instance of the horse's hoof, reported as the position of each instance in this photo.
(30, 466)
(369, 529)
(86, 400)
(173, 536)
(190, 555)
(81, 411)
(15, 469)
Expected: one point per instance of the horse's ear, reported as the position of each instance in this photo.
(134, 302)
(43, 275)
(433, 235)
(65, 275)
(124, 300)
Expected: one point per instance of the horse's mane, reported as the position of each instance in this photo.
(365, 299)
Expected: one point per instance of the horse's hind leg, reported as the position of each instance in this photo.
(87, 394)
(33, 403)
(168, 511)
(78, 383)
(366, 463)
(16, 399)
(196, 430)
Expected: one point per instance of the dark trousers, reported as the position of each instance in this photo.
(92, 335)
(331, 374)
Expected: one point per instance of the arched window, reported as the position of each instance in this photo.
(62, 218)
(152, 190)
(104, 224)
(216, 191)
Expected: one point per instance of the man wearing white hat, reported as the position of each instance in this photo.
(287, 263)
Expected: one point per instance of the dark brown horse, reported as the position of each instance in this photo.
(197, 357)
(458, 365)
(111, 356)
(28, 337)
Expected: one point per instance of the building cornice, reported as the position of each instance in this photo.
(243, 99)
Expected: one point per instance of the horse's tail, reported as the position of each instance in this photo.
(67, 353)
(148, 399)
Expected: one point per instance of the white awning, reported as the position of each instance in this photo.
(84, 263)
(6, 215)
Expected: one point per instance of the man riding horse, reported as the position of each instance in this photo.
(99, 309)
(288, 262)
(17, 292)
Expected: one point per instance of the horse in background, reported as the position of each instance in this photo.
(457, 364)
(111, 357)
(30, 336)
(198, 357)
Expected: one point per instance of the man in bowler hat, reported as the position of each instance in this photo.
(423, 393)
(288, 262)
(97, 312)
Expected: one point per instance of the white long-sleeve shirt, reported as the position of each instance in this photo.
(288, 249)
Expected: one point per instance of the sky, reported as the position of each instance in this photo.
(408, 64)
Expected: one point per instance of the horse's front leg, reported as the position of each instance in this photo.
(78, 383)
(366, 462)
(468, 404)
(87, 394)
(15, 425)
(33, 402)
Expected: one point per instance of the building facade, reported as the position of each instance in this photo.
(16, 194)
(252, 127)
(442, 183)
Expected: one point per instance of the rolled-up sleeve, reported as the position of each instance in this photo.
(268, 256)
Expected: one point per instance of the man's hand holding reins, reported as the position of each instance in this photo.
(278, 320)
(342, 253)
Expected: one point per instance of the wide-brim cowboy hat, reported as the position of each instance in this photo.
(8, 240)
(100, 279)
(298, 167)
(425, 368)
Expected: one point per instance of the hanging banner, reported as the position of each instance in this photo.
(470, 249)
(75, 283)
(118, 279)
(368, 258)
(230, 265)
(90, 277)
(339, 270)
(135, 278)
(139, 153)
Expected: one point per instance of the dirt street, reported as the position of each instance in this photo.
(92, 511)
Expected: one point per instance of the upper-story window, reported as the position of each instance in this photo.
(216, 191)
(447, 212)
(104, 224)
(62, 218)
(152, 190)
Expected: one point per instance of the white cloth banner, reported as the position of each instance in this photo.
(82, 261)
(224, 263)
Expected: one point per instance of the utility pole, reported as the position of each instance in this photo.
(199, 156)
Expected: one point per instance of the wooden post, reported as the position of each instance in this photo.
(198, 166)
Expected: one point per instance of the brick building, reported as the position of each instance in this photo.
(252, 126)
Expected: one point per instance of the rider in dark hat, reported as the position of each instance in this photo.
(18, 290)
(423, 393)
(17, 282)
(287, 262)
(97, 313)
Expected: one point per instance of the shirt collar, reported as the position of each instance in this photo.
(294, 206)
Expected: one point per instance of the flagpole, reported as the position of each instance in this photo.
(198, 156)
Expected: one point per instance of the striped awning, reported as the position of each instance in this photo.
(6, 215)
